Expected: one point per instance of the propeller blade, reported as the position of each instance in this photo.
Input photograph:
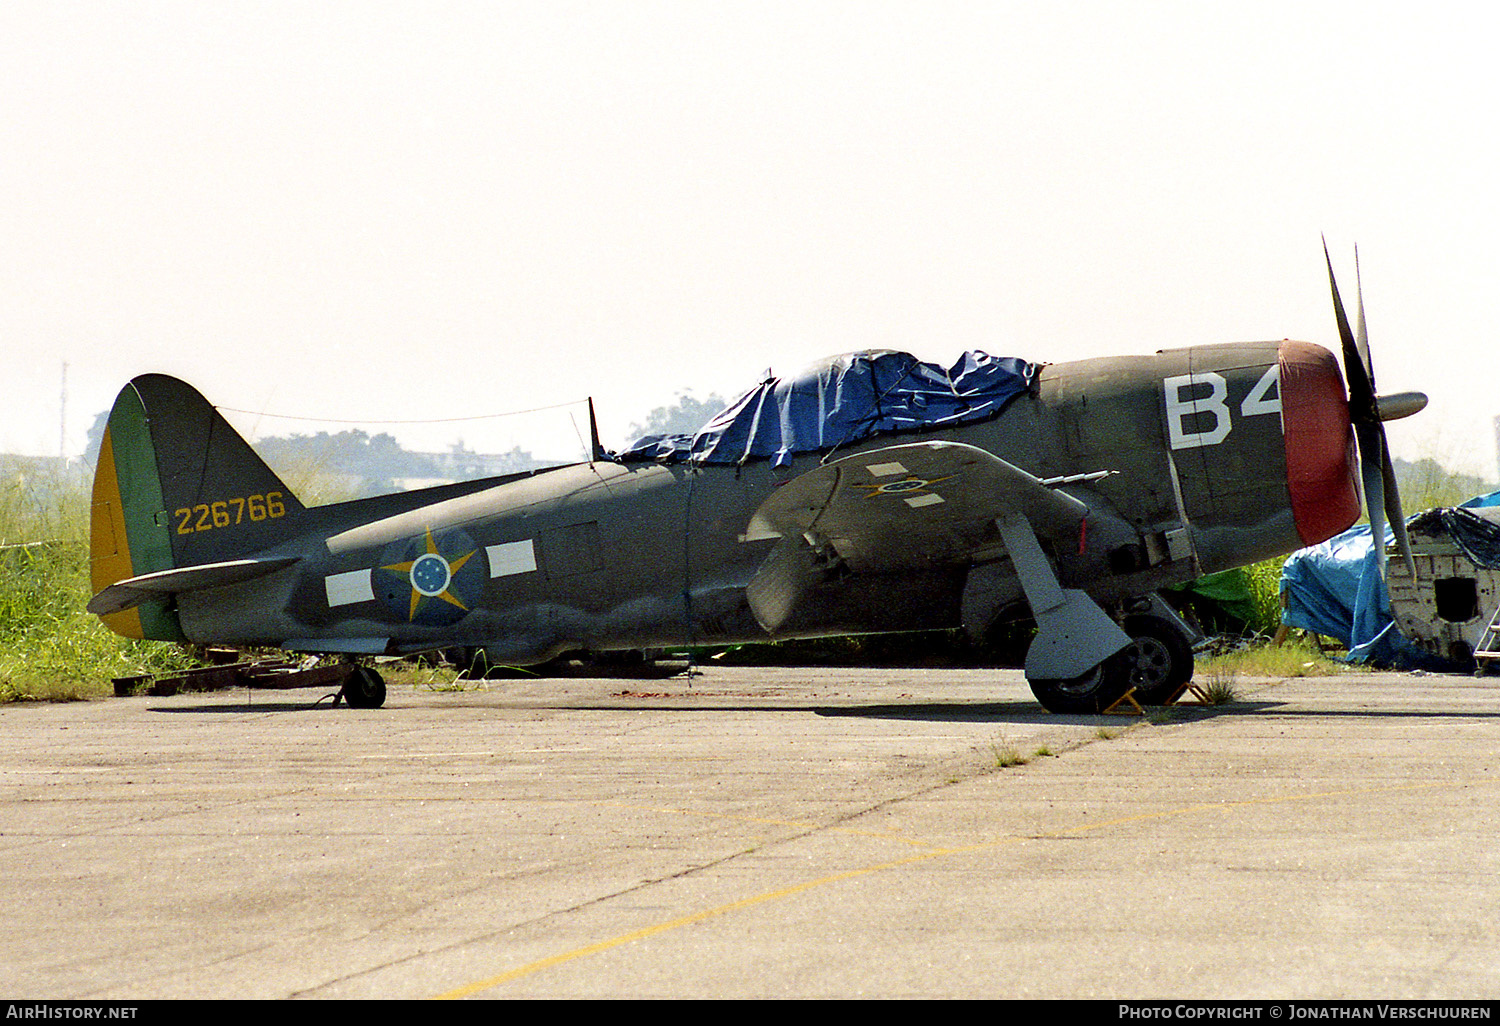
(1395, 514)
(1361, 389)
(1361, 340)
(1372, 478)
(1377, 474)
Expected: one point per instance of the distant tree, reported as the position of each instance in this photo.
(351, 463)
(96, 439)
(1426, 484)
(683, 417)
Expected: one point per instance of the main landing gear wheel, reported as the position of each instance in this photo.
(1088, 693)
(1160, 660)
(364, 688)
(1157, 663)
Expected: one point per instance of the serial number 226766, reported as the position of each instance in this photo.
(228, 512)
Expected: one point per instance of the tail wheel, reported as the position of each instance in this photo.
(364, 689)
(1159, 659)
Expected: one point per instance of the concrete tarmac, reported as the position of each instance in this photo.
(756, 833)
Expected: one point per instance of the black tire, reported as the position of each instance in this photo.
(364, 689)
(1160, 659)
(1088, 693)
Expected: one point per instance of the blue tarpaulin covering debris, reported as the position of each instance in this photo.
(843, 400)
(1335, 589)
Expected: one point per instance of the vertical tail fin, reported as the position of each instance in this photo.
(176, 486)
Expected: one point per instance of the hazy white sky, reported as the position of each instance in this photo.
(396, 210)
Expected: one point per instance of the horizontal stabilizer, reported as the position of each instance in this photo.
(134, 590)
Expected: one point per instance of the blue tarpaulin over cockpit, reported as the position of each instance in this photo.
(843, 400)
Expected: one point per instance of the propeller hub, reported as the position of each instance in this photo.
(1401, 404)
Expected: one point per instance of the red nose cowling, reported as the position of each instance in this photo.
(1320, 457)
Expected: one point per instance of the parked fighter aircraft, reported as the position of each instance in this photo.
(870, 493)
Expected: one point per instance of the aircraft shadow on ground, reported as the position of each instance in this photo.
(970, 712)
(925, 711)
(311, 705)
(934, 712)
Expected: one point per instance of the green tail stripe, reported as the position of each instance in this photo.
(146, 519)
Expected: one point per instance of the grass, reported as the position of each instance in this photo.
(1221, 679)
(1264, 579)
(1297, 658)
(51, 649)
(1008, 756)
(1221, 689)
(429, 678)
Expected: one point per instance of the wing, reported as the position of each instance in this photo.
(898, 507)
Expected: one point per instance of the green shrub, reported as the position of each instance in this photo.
(50, 646)
(1265, 590)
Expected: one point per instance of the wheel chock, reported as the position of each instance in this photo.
(1113, 709)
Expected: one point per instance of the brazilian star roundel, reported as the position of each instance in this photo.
(433, 579)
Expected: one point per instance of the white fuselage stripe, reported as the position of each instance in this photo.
(347, 589)
(511, 558)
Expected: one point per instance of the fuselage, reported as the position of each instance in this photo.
(1215, 457)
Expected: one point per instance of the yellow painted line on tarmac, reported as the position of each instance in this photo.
(687, 920)
(471, 989)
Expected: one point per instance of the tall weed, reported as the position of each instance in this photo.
(50, 646)
(1264, 579)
